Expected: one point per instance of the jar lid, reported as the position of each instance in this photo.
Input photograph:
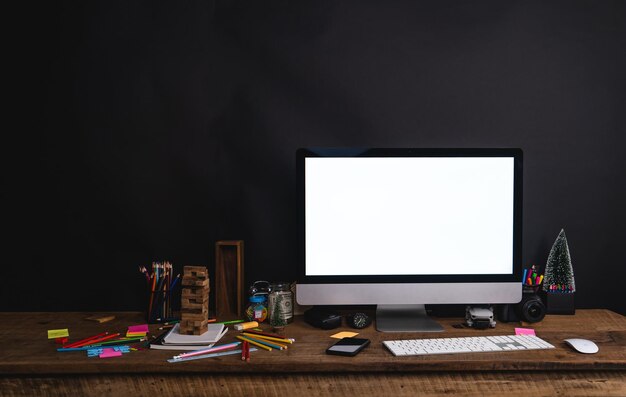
(257, 298)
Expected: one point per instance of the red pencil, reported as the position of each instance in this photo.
(94, 341)
(86, 339)
(243, 350)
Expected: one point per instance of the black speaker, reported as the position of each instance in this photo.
(324, 319)
(531, 309)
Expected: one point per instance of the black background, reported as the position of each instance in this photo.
(149, 131)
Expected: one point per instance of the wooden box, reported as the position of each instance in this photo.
(229, 280)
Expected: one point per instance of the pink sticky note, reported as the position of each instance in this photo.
(138, 328)
(109, 352)
(524, 331)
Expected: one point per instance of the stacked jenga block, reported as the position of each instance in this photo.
(194, 305)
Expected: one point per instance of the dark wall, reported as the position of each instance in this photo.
(149, 131)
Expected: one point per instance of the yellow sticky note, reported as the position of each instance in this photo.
(58, 333)
(344, 334)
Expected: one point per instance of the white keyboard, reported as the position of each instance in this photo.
(414, 347)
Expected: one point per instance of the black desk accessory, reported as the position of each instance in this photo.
(321, 318)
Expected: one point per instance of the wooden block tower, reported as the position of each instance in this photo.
(194, 305)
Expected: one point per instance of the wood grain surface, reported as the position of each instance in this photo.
(29, 361)
(570, 384)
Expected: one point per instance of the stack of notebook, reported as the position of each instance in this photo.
(174, 340)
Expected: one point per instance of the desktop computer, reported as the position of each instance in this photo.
(401, 228)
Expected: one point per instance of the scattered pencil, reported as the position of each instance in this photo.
(270, 338)
(94, 337)
(273, 345)
(262, 346)
(252, 331)
(243, 350)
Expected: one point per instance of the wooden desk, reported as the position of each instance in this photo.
(30, 365)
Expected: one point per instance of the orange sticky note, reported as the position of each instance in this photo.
(344, 334)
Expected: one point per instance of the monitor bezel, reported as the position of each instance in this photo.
(515, 153)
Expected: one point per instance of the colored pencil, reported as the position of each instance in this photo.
(173, 284)
(85, 340)
(262, 346)
(121, 341)
(270, 338)
(231, 322)
(209, 350)
(281, 346)
(259, 333)
(151, 294)
(273, 345)
(95, 341)
(74, 349)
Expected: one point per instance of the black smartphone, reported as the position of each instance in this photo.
(348, 346)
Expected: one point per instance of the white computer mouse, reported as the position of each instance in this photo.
(582, 345)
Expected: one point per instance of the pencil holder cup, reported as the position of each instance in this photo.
(159, 308)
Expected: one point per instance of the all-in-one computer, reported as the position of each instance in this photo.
(401, 228)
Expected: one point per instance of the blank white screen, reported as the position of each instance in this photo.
(409, 215)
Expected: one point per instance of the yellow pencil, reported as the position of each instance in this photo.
(270, 343)
(268, 338)
(262, 346)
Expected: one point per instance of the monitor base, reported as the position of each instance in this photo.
(405, 318)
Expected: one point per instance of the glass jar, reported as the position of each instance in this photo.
(280, 304)
(257, 311)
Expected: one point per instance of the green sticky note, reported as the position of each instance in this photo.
(58, 333)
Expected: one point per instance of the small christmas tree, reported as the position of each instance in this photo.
(559, 275)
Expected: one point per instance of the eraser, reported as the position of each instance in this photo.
(242, 326)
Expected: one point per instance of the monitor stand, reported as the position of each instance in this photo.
(405, 318)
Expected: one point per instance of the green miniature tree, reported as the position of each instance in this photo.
(559, 274)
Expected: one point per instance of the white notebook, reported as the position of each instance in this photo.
(212, 335)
